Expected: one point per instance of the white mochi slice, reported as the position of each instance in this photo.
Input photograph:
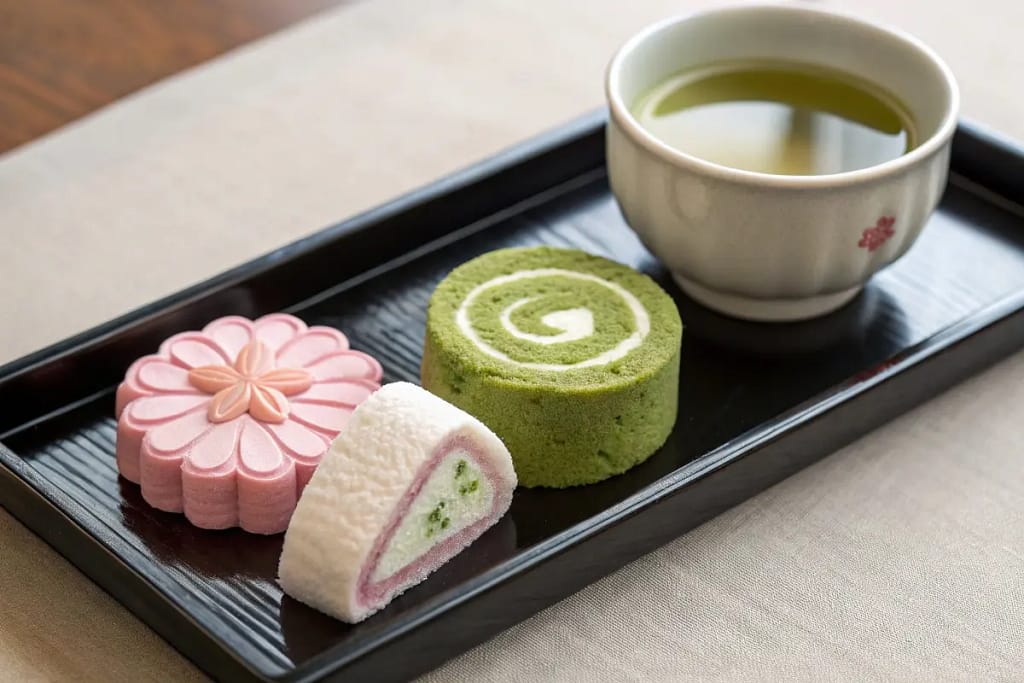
(407, 485)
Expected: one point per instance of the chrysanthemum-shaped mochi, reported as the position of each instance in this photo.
(228, 424)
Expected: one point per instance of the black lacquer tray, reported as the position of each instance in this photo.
(757, 403)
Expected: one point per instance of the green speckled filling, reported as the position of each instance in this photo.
(467, 482)
(563, 427)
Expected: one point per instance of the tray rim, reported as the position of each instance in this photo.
(978, 135)
(329, 661)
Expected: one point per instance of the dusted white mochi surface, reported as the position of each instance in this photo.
(384, 475)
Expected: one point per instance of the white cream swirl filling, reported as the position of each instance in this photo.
(572, 324)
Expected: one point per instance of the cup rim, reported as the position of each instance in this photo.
(620, 111)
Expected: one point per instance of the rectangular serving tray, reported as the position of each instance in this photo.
(757, 403)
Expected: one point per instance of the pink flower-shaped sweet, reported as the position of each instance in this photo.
(228, 424)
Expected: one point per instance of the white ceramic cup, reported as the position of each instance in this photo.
(775, 247)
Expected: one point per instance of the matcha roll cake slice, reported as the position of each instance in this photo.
(572, 360)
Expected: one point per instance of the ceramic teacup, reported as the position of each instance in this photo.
(775, 247)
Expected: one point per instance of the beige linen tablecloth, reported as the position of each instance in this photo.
(900, 557)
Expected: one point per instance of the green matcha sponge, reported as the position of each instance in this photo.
(572, 359)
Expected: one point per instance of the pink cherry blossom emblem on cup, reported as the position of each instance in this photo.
(228, 424)
(877, 235)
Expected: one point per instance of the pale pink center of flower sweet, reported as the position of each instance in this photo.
(252, 385)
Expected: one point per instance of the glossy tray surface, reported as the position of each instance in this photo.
(756, 403)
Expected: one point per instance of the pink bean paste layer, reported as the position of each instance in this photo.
(374, 594)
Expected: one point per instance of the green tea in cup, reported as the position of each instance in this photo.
(777, 117)
(774, 156)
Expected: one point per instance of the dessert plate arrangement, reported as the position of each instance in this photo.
(755, 403)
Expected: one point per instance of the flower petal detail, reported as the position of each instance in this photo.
(267, 404)
(163, 407)
(231, 333)
(310, 347)
(213, 425)
(214, 449)
(180, 432)
(194, 350)
(276, 329)
(298, 440)
(260, 453)
(229, 403)
(213, 378)
(288, 381)
(348, 391)
(254, 360)
(329, 418)
(346, 365)
(267, 482)
(160, 477)
(131, 389)
(158, 374)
